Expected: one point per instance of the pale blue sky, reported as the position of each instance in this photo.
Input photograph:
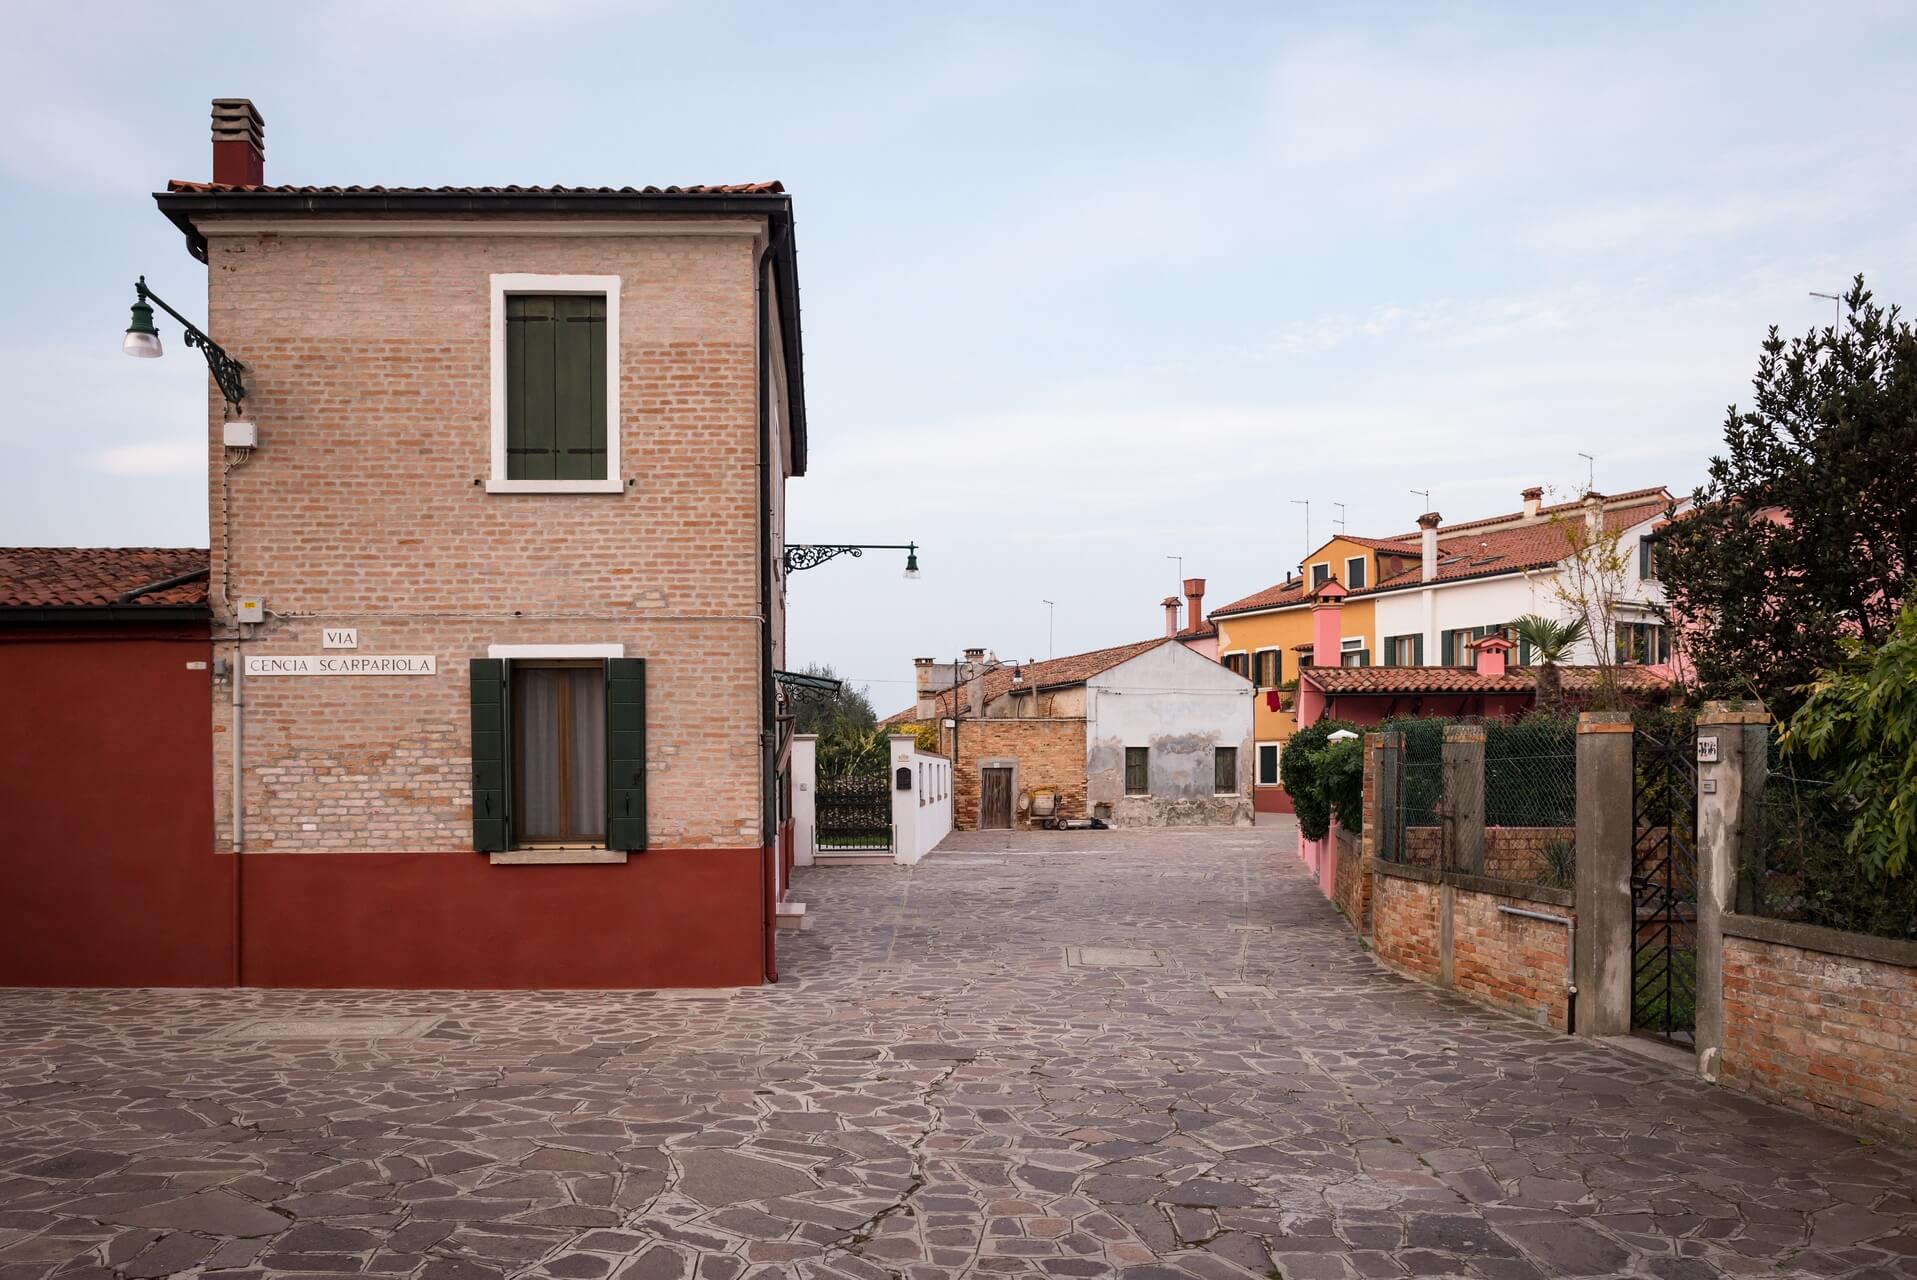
(1085, 286)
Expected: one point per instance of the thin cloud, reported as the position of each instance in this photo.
(152, 458)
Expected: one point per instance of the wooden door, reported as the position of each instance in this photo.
(995, 800)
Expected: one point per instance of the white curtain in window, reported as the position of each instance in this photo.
(587, 803)
(536, 725)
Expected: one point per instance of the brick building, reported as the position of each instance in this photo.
(496, 595)
(1137, 735)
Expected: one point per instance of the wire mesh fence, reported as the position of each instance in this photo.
(1530, 818)
(1420, 792)
(1802, 868)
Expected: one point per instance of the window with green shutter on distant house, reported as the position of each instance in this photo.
(556, 386)
(1137, 771)
(1224, 770)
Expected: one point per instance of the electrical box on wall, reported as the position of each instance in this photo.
(250, 609)
(242, 435)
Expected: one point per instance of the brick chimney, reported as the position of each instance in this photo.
(1491, 651)
(1428, 536)
(1533, 499)
(239, 143)
(1194, 602)
(1171, 614)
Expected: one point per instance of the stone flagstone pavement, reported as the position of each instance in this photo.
(932, 1091)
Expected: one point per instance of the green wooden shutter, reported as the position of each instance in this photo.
(492, 756)
(1417, 650)
(1447, 648)
(626, 753)
(1524, 652)
(579, 386)
(556, 387)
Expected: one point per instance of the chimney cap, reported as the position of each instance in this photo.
(1194, 586)
(1532, 494)
(1430, 520)
(1171, 602)
(923, 662)
(1492, 644)
(238, 120)
(975, 654)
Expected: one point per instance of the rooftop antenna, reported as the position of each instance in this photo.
(1051, 618)
(1835, 300)
(1590, 472)
(1340, 519)
(1426, 495)
(1180, 560)
(1306, 504)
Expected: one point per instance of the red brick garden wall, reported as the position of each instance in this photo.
(1829, 1035)
(1404, 924)
(1510, 961)
(1352, 891)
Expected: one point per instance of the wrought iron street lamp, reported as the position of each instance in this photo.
(809, 555)
(143, 340)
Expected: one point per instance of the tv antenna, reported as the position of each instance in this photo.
(1590, 472)
(1836, 301)
(1340, 518)
(1051, 620)
(1306, 504)
(1426, 495)
(1180, 561)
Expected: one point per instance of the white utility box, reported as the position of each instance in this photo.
(250, 610)
(242, 435)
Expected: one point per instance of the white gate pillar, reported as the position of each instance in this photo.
(805, 791)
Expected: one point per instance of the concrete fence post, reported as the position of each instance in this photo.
(1462, 825)
(1606, 922)
(1733, 762)
(1384, 756)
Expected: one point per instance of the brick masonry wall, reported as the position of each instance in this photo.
(1828, 1035)
(1404, 925)
(1050, 753)
(1509, 961)
(368, 373)
(1352, 891)
(1511, 853)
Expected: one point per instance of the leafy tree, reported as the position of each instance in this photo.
(820, 713)
(1861, 717)
(1805, 531)
(1590, 582)
(1551, 641)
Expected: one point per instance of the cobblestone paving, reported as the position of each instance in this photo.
(933, 1091)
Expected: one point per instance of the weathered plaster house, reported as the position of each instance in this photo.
(497, 594)
(1139, 735)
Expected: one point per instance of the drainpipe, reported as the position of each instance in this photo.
(1570, 958)
(768, 744)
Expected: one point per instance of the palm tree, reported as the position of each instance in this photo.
(1550, 641)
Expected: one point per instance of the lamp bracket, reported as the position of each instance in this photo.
(228, 373)
(810, 555)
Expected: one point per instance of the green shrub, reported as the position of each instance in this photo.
(1317, 774)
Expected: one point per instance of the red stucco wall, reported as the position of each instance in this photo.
(107, 870)
(666, 918)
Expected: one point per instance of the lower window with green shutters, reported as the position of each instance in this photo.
(559, 754)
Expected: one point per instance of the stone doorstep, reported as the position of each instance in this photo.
(791, 915)
(853, 858)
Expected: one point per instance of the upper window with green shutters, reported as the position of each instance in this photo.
(555, 384)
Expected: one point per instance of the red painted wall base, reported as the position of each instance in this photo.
(1270, 800)
(667, 918)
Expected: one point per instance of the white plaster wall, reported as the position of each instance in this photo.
(1483, 601)
(921, 816)
(1181, 705)
(805, 799)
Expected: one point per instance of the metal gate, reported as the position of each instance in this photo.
(853, 813)
(1664, 885)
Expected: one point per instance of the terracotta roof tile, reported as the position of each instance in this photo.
(1406, 680)
(1473, 553)
(182, 187)
(1630, 496)
(80, 577)
(1074, 668)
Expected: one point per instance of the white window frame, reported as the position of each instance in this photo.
(1349, 561)
(555, 651)
(503, 286)
(1312, 574)
(1253, 671)
(1257, 769)
(1238, 653)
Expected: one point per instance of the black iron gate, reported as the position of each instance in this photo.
(1664, 885)
(854, 813)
